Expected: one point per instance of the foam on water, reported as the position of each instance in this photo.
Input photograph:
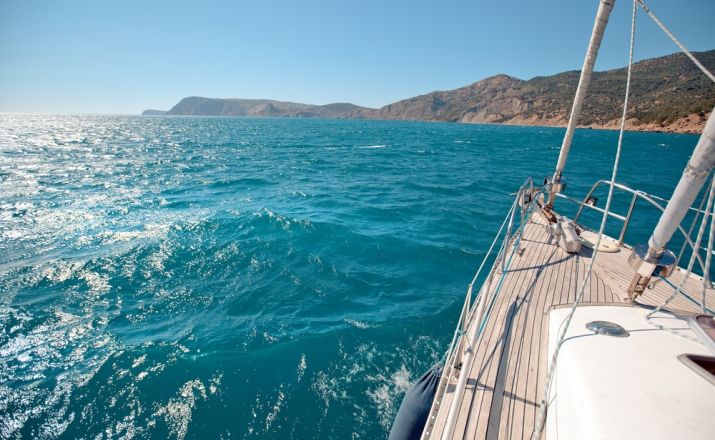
(252, 278)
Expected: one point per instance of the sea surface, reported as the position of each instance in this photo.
(177, 277)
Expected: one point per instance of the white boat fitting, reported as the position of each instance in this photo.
(574, 334)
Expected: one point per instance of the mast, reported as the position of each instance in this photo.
(656, 258)
(604, 11)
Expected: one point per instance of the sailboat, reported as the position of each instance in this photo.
(574, 334)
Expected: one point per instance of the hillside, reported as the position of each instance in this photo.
(154, 112)
(195, 105)
(668, 94)
(665, 92)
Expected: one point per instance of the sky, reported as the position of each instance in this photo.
(121, 57)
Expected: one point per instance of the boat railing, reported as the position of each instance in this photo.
(476, 308)
(524, 199)
(511, 229)
(588, 202)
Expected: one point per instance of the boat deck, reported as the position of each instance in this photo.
(506, 381)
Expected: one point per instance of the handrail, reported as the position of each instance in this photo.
(595, 208)
(475, 310)
(637, 194)
(468, 308)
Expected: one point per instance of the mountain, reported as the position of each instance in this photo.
(154, 112)
(338, 110)
(195, 105)
(667, 94)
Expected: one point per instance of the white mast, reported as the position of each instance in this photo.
(604, 11)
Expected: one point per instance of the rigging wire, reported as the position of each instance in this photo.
(706, 272)
(692, 226)
(686, 295)
(676, 41)
(696, 250)
(538, 427)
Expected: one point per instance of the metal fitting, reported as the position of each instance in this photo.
(556, 185)
(648, 262)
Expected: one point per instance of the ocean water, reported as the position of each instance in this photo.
(254, 278)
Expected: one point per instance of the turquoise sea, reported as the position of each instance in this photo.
(254, 278)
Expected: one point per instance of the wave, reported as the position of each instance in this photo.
(33, 350)
(358, 324)
(384, 375)
(434, 188)
(247, 182)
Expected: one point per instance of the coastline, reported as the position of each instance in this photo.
(692, 124)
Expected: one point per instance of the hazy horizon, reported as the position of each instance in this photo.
(90, 58)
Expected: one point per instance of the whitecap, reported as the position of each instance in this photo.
(149, 231)
(302, 365)
(271, 417)
(215, 383)
(384, 396)
(178, 412)
(97, 283)
(358, 324)
(13, 234)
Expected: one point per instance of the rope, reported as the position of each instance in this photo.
(539, 426)
(677, 43)
(462, 383)
(699, 210)
(460, 333)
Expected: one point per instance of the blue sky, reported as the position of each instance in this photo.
(126, 56)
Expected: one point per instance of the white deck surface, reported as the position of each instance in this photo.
(626, 388)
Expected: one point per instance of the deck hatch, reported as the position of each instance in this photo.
(703, 365)
(607, 328)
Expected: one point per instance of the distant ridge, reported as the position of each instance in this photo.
(154, 112)
(667, 94)
(198, 106)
